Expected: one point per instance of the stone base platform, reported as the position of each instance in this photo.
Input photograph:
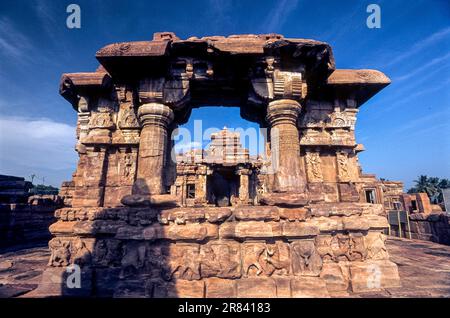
(424, 269)
(320, 250)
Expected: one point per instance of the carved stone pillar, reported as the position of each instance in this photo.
(83, 122)
(244, 185)
(170, 169)
(154, 118)
(200, 189)
(285, 145)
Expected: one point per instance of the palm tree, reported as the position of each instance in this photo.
(431, 186)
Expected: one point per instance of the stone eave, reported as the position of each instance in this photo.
(72, 85)
(358, 77)
(358, 84)
(88, 79)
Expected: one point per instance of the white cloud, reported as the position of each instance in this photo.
(416, 71)
(277, 17)
(436, 37)
(13, 43)
(187, 146)
(220, 13)
(37, 146)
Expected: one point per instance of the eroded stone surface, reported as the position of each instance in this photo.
(423, 268)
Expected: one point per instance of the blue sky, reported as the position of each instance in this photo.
(405, 128)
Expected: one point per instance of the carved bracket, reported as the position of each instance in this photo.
(279, 85)
(173, 92)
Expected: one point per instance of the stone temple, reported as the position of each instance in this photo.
(140, 224)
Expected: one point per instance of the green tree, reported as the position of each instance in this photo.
(431, 186)
(44, 189)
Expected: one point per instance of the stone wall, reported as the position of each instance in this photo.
(434, 227)
(14, 189)
(25, 223)
(426, 221)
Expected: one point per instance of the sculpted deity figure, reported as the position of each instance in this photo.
(313, 163)
(129, 165)
(342, 160)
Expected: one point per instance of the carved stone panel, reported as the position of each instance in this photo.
(375, 243)
(313, 166)
(220, 260)
(101, 120)
(65, 251)
(306, 260)
(265, 259)
(121, 167)
(127, 117)
(343, 166)
(107, 252)
(182, 261)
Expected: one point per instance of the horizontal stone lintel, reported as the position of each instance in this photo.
(227, 230)
(218, 215)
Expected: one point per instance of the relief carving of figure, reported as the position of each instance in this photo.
(81, 255)
(376, 248)
(277, 259)
(340, 245)
(220, 260)
(324, 247)
(313, 167)
(128, 118)
(357, 248)
(182, 262)
(129, 167)
(267, 259)
(133, 259)
(338, 119)
(107, 252)
(253, 253)
(342, 160)
(101, 120)
(305, 259)
(60, 252)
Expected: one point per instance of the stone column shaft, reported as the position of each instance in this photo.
(244, 188)
(155, 119)
(285, 145)
(200, 190)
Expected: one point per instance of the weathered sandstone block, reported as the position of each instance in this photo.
(256, 288)
(263, 213)
(336, 277)
(373, 275)
(220, 288)
(309, 287)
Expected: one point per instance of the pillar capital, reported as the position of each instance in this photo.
(283, 111)
(155, 114)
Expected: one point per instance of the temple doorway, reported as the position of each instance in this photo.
(218, 169)
(223, 186)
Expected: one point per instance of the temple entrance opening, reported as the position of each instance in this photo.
(218, 166)
(223, 186)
